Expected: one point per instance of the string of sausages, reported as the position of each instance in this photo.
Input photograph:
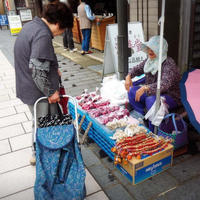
(137, 146)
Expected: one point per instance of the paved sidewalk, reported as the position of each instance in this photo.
(97, 55)
(16, 175)
(180, 182)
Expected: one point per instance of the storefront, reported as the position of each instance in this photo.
(194, 52)
(99, 7)
(103, 10)
(181, 27)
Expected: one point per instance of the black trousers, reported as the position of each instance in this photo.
(68, 39)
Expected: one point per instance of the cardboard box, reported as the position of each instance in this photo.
(138, 170)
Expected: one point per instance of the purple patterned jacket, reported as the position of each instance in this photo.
(170, 78)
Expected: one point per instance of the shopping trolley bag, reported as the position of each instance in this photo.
(60, 172)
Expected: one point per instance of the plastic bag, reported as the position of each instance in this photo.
(157, 118)
(173, 126)
(114, 90)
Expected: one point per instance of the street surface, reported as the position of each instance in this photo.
(104, 181)
(17, 176)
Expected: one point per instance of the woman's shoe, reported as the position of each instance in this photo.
(73, 50)
(88, 52)
(33, 160)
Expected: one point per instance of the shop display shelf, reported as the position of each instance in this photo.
(98, 31)
(99, 133)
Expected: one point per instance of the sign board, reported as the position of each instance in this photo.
(25, 15)
(14, 24)
(3, 20)
(11, 12)
(135, 38)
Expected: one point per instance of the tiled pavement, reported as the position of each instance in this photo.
(16, 175)
(181, 182)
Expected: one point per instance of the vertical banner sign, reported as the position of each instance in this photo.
(7, 5)
(3, 20)
(135, 38)
(14, 24)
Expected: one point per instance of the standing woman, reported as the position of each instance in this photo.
(36, 65)
(86, 17)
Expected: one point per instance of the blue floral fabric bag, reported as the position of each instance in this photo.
(60, 172)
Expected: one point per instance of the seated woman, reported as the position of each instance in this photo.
(144, 96)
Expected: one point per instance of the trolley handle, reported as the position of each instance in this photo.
(75, 108)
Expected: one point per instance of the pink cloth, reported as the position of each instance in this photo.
(192, 86)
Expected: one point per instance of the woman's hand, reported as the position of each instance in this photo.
(59, 73)
(128, 82)
(140, 92)
(54, 97)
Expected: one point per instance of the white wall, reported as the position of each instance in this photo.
(153, 15)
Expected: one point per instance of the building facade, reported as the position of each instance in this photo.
(181, 30)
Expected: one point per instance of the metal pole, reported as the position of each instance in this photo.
(138, 14)
(143, 14)
(162, 20)
(122, 38)
(147, 20)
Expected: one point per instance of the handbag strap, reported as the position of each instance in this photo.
(60, 82)
(58, 109)
(173, 115)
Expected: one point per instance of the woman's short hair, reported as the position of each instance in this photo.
(85, 1)
(58, 13)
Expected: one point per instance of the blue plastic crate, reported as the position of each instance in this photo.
(103, 131)
(99, 133)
